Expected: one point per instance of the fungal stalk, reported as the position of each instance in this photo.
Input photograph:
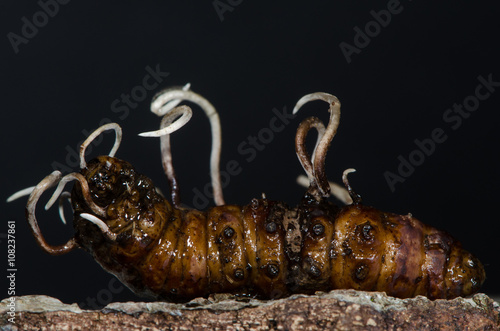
(95, 134)
(45, 184)
(319, 155)
(336, 190)
(85, 191)
(170, 123)
(162, 105)
(64, 196)
(300, 148)
(104, 228)
(356, 198)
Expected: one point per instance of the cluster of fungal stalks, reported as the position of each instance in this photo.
(265, 249)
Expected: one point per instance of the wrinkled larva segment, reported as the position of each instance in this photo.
(271, 263)
(359, 249)
(265, 249)
(227, 260)
(400, 255)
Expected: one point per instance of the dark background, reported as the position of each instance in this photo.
(259, 57)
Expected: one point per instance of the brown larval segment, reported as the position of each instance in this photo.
(230, 244)
(271, 264)
(265, 249)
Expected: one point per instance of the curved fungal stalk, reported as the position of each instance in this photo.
(21, 193)
(170, 123)
(95, 134)
(64, 196)
(300, 148)
(161, 108)
(45, 184)
(104, 228)
(85, 191)
(161, 105)
(356, 198)
(331, 130)
(336, 190)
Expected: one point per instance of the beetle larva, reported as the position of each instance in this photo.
(265, 249)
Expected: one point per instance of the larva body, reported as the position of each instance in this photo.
(265, 249)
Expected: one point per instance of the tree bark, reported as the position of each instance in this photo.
(336, 310)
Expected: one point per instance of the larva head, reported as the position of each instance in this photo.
(134, 211)
(108, 178)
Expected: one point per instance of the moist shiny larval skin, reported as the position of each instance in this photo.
(265, 249)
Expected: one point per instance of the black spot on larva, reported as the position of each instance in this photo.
(360, 272)
(346, 250)
(366, 231)
(318, 229)
(228, 232)
(314, 271)
(239, 274)
(272, 270)
(271, 227)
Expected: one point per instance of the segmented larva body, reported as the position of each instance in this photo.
(264, 249)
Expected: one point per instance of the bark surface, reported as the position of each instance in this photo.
(336, 310)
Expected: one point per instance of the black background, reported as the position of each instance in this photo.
(259, 57)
